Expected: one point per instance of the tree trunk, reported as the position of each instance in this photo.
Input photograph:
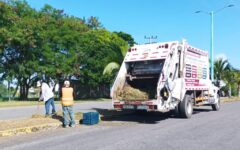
(24, 87)
(23, 92)
(230, 91)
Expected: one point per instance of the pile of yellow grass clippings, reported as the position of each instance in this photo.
(130, 93)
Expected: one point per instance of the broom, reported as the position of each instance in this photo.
(37, 114)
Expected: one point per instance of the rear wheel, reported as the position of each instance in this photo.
(175, 112)
(186, 107)
(216, 107)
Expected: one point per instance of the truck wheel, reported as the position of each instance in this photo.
(186, 107)
(216, 107)
(175, 112)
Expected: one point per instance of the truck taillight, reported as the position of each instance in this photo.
(152, 106)
(129, 50)
(118, 106)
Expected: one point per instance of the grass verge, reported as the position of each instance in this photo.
(229, 99)
(34, 103)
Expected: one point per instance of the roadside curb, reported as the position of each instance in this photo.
(31, 129)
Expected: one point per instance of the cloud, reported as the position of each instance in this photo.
(221, 56)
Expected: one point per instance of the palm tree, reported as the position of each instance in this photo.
(221, 67)
(115, 65)
(223, 71)
(110, 67)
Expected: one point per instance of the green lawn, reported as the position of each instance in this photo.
(15, 103)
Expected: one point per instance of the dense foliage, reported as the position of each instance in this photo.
(49, 44)
(230, 76)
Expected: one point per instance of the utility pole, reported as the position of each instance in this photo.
(212, 13)
(150, 38)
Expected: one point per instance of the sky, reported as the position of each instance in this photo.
(169, 20)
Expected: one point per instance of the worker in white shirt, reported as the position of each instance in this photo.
(47, 96)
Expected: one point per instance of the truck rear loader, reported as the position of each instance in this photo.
(165, 76)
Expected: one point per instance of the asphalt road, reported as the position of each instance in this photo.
(206, 130)
(28, 111)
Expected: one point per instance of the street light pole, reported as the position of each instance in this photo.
(150, 38)
(211, 51)
(212, 30)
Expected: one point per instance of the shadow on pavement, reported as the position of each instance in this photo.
(58, 117)
(141, 116)
(200, 110)
(133, 116)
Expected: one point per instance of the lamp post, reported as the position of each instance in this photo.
(150, 38)
(212, 13)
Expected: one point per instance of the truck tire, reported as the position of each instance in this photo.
(175, 112)
(216, 107)
(186, 107)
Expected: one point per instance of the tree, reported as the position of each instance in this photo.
(237, 80)
(94, 23)
(220, 68)
(224, 71)
(35, 44)
(115, 64)
(126, 37)
(49, 44)
(60, 54)
(99, 48)
(19, 44)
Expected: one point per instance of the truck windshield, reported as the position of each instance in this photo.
(149, 67)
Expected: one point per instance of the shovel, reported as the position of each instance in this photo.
(38, 107)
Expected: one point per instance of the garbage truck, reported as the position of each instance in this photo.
(166, 76)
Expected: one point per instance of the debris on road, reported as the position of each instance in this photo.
(15, 127)
(36, 123)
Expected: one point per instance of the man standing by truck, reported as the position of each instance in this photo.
(47, 96)
(67, 105)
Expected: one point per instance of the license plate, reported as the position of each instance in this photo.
(142, 107)
(128, 107)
